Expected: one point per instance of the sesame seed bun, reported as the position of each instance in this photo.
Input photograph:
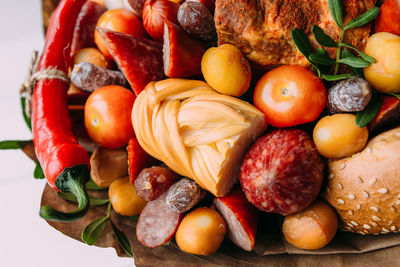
(365, 188)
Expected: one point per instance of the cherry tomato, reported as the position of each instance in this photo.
(119, 20)
(289, 96)
(108, 116)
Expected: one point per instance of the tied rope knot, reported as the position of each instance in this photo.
(34, 75)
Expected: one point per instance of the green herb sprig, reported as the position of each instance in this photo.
(320, 59)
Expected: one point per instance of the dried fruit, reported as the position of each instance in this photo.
(153, 182)
(89, 77)
(282, 172)
(388, 115)
(349, 95)
(196, 19)
(184, 195)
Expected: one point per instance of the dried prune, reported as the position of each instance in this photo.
(197, 20)
(350, 95)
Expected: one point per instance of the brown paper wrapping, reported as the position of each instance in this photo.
(346, 249)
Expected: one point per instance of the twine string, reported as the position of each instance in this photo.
(33, 76)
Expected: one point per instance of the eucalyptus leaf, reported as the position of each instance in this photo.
(26, 118)
(369, 113)
(355, 71)
(92, 232)
(355, 62)
(336, 9)
(123, 241)
(300, 39)
(14, 144)
(93, 186)
(362, 55)
(363, 19)
(322, 38)
(38, 172)
(93, 201)
(322, 59)
(336, 77)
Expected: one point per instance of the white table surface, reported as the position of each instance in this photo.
(26, 239)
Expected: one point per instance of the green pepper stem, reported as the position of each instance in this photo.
(71, 180)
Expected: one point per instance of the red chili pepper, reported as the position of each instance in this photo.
(64, 161)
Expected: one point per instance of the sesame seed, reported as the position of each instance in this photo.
(367, 226)
(373, 223)
(365, 193)
(365, 231)
(354, 223)
(398, 202)
(361, 233)
(372, 181)
(349, 225)
(328, 190)
(340, 185)
(350, 212)
(398, 196)
(351, 196)
(358, 206)
(340, 201)
(376, 209)
(368, 150)
(347, 228)
(393, 228)
(376, 218)
(331, 176)
(383, 190)
(385, 230)
(342, 166)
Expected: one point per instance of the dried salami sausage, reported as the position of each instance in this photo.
(184, 195)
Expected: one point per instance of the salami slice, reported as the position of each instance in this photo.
(157, 223)
(140, 59)
(240, 216)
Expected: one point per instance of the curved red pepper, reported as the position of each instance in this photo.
(64, 161)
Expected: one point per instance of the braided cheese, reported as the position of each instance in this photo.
(196, 131)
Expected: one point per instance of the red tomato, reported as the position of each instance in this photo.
(119, 20)
(108, 116)
(289, 96)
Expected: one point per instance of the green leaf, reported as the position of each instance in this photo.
(94, 201)
(355, 71)
(337, 77)
(323, 59)
(335, 7)
(362, 55)
(397, 95)
(322, 38)
(38, 172)
(93, 186)
(300, 39)
(363, 18)
(355, 62)
(92, 232)
(133, 218)
(369, 113)
(123, 241)
(26, 118)
(14, 144)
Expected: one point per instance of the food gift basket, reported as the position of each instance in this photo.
(288, 154)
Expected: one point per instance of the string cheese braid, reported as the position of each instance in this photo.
(196, 131)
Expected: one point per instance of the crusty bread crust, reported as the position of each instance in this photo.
(365, 188)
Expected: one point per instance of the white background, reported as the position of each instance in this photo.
(26, 239)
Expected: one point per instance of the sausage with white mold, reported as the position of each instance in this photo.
(365, 188)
